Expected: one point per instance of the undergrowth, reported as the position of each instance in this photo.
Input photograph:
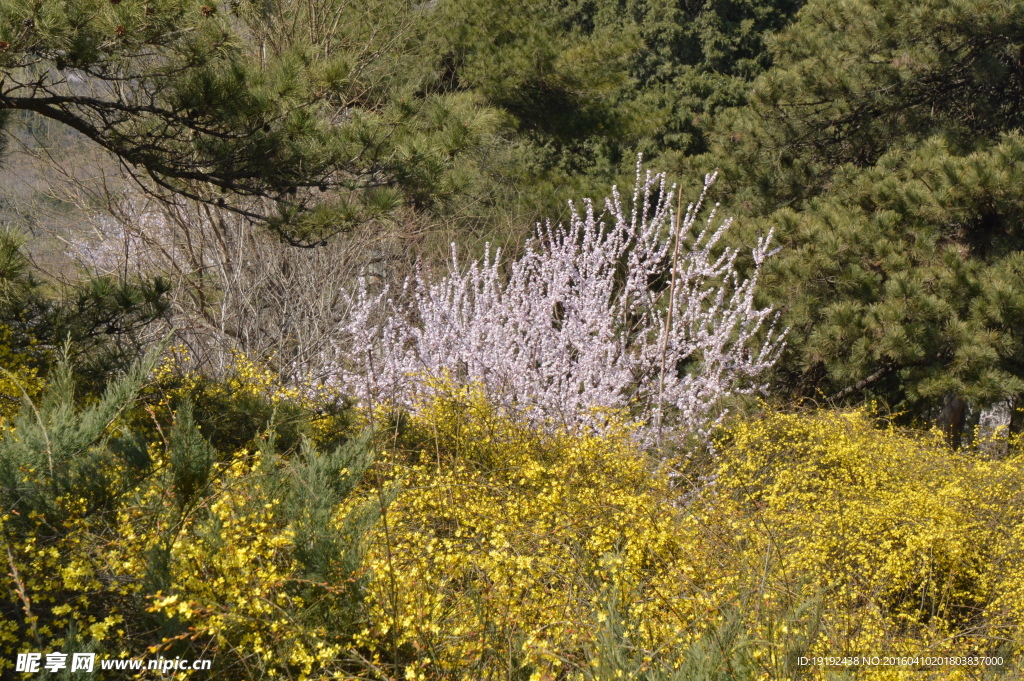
(466, 543)
(515, 554)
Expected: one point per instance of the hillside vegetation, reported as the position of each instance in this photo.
(647, 339)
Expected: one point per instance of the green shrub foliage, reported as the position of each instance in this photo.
(885, 148)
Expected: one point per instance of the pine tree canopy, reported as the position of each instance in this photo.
(587, 85)
(885, 146)
(317, 115)
(298, 114)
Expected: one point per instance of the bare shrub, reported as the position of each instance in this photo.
(236, 287)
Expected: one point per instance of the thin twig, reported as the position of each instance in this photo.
(20, 590)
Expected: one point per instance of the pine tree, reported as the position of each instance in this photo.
(587, 85)
(266, 108)
(885, 148)
(103, 321)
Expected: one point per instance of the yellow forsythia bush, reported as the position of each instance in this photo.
(516, 554)
(18, 377)
(223, 575)
(57, 580)
(229, 568)
(508, 553)
(921, 548)
(138, 543)
(250, 395)
(505, 547)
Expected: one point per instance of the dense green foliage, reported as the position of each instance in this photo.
(453, 106)
(885, 148)
(588, 85)
(100, 319)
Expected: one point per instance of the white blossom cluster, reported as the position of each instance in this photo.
(627, 309)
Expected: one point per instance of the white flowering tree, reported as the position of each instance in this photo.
(632, 308)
